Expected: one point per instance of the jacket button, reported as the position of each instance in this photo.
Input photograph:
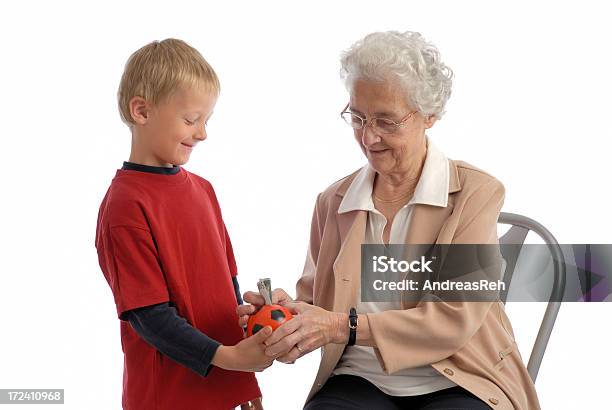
(449, 371)
(494, 400)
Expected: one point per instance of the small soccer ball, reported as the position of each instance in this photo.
(268, 315)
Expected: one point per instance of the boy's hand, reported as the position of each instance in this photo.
(247, 356)
(252, 405)
(279, 297)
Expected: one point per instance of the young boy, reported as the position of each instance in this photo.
(164, 250)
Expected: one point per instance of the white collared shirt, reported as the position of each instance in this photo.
(431, 189)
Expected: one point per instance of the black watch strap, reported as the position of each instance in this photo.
(352, 326)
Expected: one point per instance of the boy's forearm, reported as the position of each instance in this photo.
(162, 327)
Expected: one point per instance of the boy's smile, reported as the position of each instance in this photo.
(167, 133)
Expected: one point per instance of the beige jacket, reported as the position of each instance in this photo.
(471, 343)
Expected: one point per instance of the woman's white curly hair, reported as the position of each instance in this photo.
(407, 57)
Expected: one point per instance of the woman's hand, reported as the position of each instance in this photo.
(279, 296)
(310, 328)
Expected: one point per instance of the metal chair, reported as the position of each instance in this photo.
(520, 227)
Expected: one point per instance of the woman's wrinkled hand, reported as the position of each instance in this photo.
(310, 328)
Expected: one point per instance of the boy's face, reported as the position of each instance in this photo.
(169, 131)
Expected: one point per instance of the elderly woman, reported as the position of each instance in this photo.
(396, 355)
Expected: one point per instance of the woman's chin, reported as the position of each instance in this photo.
(379, 162)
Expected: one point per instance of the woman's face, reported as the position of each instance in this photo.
(388, 153)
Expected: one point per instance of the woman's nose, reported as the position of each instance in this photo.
(369, 136)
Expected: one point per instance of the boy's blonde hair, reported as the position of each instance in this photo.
(158, 69)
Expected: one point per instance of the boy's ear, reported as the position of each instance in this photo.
(139, 110)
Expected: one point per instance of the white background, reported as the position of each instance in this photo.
(530, 105)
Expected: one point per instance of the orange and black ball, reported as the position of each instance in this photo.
(268, 315)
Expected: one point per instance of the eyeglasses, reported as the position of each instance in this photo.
(382, 125)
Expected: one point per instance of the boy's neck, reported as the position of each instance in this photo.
(141, 154)
(148, 160)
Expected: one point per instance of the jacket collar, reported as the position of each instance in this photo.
(454, 185)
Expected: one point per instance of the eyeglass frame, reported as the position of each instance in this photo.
(365, 121)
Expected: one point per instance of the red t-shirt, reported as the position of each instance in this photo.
(161, 238)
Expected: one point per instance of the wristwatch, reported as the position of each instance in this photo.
(352, 326)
